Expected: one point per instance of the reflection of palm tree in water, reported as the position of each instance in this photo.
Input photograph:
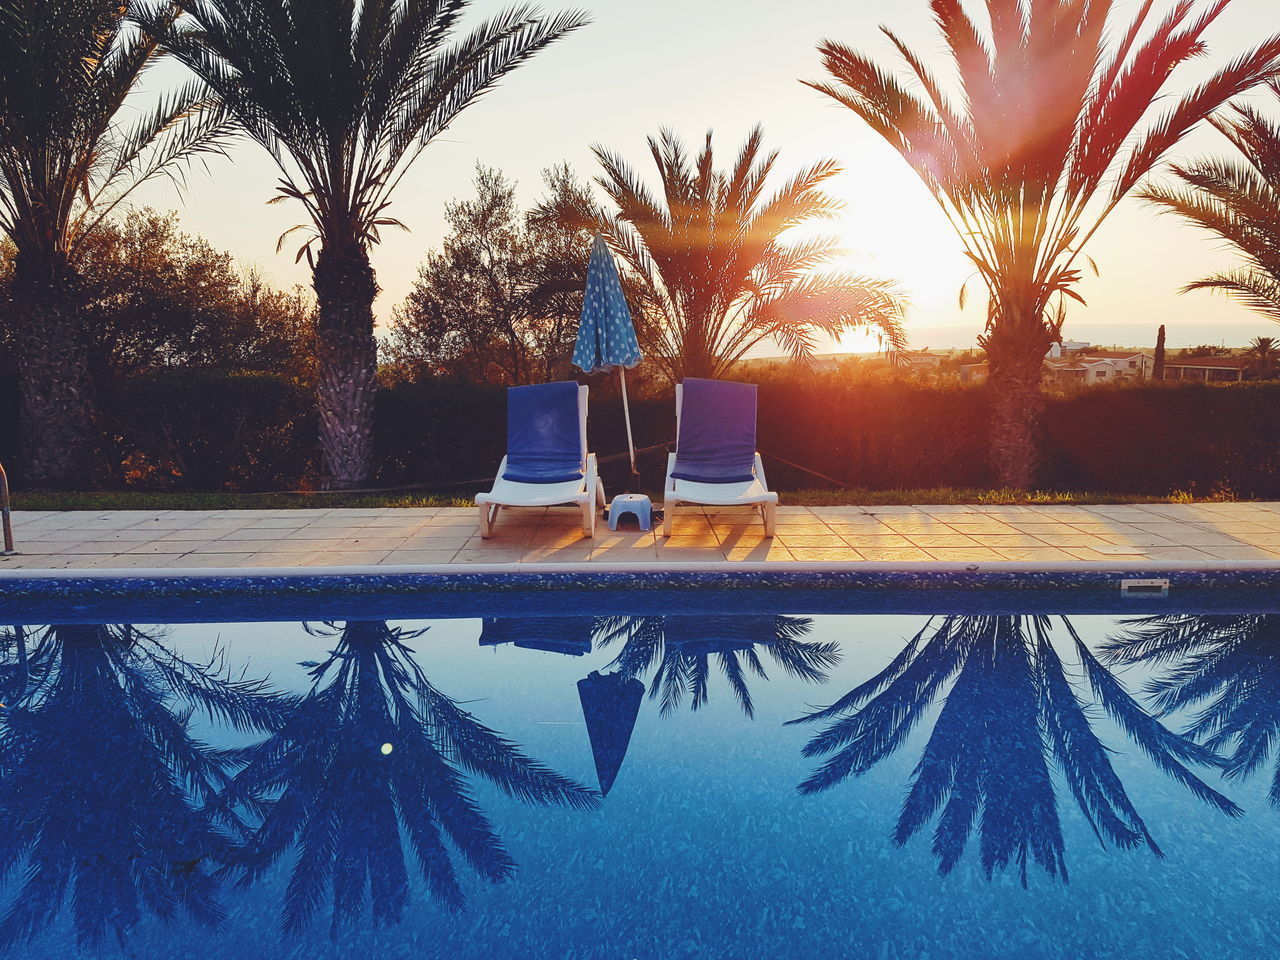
(105, 792)
(680, 650)
(1010, 715)
(1225, 668)
(373, 753)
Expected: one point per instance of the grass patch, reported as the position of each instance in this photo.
(954, 495)
(103, 500)
(227, 501)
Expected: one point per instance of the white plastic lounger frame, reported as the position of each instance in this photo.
(754, 493)
(585, 493)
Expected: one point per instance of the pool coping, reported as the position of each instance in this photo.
(808, 568)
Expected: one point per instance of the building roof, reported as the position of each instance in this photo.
(1115, 354)
(1230, 363)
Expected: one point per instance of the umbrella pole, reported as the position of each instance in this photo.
(626, 411)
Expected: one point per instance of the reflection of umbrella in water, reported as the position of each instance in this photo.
(610, 704)
(568, 635)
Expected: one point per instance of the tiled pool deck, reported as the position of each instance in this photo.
(1192, 535)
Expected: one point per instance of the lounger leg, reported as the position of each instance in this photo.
(487, 515)
(770, 518)
(668, 514)
(588, 517)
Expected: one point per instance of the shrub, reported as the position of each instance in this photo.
(210, 430)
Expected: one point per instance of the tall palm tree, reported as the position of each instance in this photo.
(1238, 199)
(1221, 670)
(1060, 109)
(107, 796)
(681, 650)
(344, 97)
(713, 263)
(75, 140)
(373, 758)
(1263, 356)
(1009, 715)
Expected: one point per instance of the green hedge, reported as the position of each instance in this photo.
(210, 430)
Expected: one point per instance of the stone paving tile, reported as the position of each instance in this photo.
(758, 551)
(1175, 553)
(352, 557)
(1139, 539)
(920, 522)
(858, 541)
(577, 551)
(1086, 553)
(1239, 551)
(138, 561)
(275, 559)
(963, 554)
(625, 547)
(825, 554)
(811, 541)
(1042, 529)
(1071, 540)
(167, 546)
(677, 540)
(414, 557)
(1034, 554)
(999, 540)
(929, 541)
(894, 555)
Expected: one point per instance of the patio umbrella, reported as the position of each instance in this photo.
(606, 336)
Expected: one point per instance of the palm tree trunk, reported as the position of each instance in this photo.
(1016, 363)
(56, 392)
(345, 287)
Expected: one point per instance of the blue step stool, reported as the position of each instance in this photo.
(636, 504)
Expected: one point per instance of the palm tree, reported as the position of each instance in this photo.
(1221, 670)
(680, 650)
(1010, 715)
(1263, 356)
(711, 263)
(371, 759)
(1060, 110)
(1237, 199)
(106, 795)
(74, 141)
(344, 98)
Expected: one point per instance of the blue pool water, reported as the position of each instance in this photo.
(985, 785)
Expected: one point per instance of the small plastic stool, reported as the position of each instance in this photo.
(636, 504)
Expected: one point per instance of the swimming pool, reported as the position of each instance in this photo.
(804, 773)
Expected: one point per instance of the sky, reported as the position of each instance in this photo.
(727, 65)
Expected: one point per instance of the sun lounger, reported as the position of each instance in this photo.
(547, 463)
(715, 462)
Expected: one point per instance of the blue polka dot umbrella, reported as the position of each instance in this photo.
(606, 335)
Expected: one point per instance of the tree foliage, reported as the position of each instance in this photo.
(1238, 200)
(499, 301)
(155, 298)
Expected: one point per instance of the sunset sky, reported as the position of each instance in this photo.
(695, 64)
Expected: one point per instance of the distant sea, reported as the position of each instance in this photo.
(1107, 334)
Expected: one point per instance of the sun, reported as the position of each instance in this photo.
(898, 232)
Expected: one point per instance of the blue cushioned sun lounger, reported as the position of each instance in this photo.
(716, 462)
(547, 463)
